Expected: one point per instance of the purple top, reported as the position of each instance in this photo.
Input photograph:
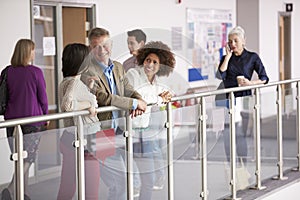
(27, 93)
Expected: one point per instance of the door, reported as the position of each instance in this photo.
(54, 26)
(285, 58)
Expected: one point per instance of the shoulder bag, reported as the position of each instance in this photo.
(3, 91)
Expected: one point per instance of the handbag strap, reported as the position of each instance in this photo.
(4, 73)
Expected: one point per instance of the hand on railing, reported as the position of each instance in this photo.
(166, 96)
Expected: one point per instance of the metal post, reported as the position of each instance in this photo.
(279, 135)
(258, 185)
(79, 144)
(19, 163)
(298, 125)
(232, 146)
(129, 157)
(203, 153)
(169, 127)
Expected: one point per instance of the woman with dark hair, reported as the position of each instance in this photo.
(75, 95)
(27, 97)
(155, 59)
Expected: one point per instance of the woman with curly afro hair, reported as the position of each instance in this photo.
(155, 60)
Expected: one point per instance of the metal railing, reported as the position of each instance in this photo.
(79, 140)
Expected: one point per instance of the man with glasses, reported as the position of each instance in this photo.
(111, 88)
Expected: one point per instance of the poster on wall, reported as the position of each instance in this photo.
(208, 29)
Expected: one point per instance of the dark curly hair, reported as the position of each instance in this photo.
(166, 57)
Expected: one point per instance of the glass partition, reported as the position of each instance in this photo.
(105, 160)
(289, 128)
(269, 142)
(7, 168)
(187, 166)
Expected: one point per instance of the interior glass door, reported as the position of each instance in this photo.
(53, 26)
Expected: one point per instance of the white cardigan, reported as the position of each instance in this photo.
(72, 91)
(149, 91)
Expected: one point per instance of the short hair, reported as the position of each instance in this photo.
(22, 52)
(166, 57)
(239, 31)
(138, 34)
(97, 32)
(74, 59)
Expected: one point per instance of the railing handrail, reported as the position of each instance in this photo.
(235, 89)
(63, 115)
(54, 116)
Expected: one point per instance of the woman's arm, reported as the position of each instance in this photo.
(224, 65)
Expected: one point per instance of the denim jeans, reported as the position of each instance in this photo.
(145, 163)
(113, 174)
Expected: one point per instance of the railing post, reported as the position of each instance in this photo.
(19, 163)
(169, 126)
(203, 153)
(279, 134)
(129, 157)
(298, 125)
(79, 144)
(232, 146)
(258, 185)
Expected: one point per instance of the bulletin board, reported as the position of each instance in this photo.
(208, 30)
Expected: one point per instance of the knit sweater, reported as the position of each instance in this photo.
(72, 91)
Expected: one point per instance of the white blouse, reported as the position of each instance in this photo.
(149, 91)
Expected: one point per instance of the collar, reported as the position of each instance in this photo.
(105, 67)
(144, 76)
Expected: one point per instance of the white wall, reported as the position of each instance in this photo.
(15, 24)
(151, 14)
(268, 35)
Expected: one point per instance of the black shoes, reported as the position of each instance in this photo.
(5, 195)
(26, 197)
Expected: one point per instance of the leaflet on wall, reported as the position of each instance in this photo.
(208, 29)
(49, 46)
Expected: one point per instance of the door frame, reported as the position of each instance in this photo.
(50, 172)
(285, 60)
(59, 4)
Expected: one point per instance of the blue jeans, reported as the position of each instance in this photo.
(113, 174)
(145, 163)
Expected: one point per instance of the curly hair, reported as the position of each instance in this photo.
(166, 57)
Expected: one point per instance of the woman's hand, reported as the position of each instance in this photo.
(91, 81)
(228, 51)
(47, 123)
(166, 96)
(224, 65)
(246, 82)
(92, 111)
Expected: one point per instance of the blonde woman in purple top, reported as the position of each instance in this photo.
(27, 97)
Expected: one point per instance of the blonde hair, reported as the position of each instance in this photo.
(239, 31)
(22, 52)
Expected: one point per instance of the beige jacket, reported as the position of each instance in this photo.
(125, 92)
